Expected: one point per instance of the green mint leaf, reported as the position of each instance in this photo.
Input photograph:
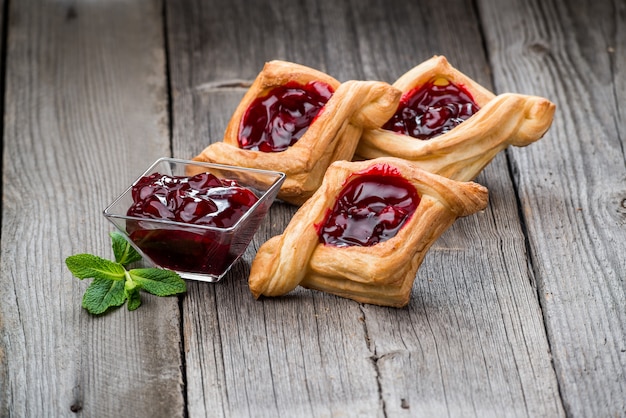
(85, 266)
(123, 251)
(103, 294)
(158, 281)
(113, 284)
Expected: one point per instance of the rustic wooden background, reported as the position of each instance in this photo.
(517, 311)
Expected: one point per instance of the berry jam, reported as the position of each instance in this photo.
(199, 200)
(275, 122)
(432, 109)
(371, 208)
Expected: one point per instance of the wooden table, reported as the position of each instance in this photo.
(519, 310)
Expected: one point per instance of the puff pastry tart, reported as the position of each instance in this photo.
(298, 120)
(364, 232)
(451, 125)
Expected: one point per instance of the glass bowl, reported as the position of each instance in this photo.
(197, 252)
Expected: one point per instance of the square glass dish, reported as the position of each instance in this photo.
(201, 243)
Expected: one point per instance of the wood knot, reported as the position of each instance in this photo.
(620, 208)
(539, 48)
(76, 407)
(70, 14)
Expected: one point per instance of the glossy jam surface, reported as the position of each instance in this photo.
(278, 120)
(432, 109)
(203, 200)
(371, 208)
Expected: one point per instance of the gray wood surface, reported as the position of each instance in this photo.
(573, 185)
(86, 112)
(517, 311)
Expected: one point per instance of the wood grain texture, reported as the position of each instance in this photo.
(517, 311)
(471, 342)
(302, 355)
(277, 357)
(572, 185)
(86, 112)
(475, 325)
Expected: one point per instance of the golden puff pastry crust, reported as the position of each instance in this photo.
(462, 152)
(333, 135)
(381, 274)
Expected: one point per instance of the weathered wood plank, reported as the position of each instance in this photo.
(86, 112)
(472, 340)
(572, 185)
(305, 355)
(274, 357)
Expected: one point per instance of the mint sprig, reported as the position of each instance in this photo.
(113, 284)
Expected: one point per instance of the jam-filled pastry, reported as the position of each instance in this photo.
(365, 232)
(452, 126)
(298, 120)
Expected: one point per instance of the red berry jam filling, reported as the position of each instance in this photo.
(278, 120)
(432, 109)
(371, 208)
(199, 200)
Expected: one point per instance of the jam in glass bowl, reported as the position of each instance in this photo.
(194, 218)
